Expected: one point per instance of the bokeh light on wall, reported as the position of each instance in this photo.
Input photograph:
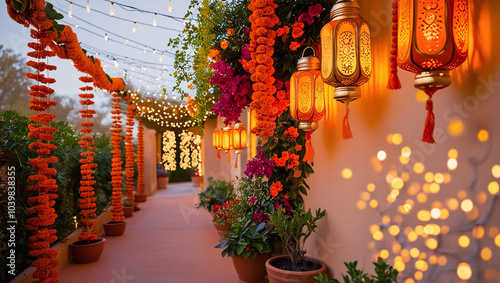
(456, 127)
(483, 135)
(464, 271)
(346, 173)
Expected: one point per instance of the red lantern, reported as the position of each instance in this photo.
(217, 141)
(346, 60)
(239, 140)
(432, 39)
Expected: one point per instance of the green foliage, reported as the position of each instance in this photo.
(53, 15)
(294, 229)
(246, 240)
(217, 192)
(14, 152)
(22, 5)
(254, 190)
(385, 274)
(13, 83)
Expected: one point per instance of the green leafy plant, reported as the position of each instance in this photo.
(294, 229)
(217, 192)
(385, 273)
(254, 197)
(246, 240)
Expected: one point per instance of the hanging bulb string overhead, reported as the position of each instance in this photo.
(119, 18)
(394, 82)
(132, 8)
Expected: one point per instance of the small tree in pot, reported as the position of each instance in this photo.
(294, 228)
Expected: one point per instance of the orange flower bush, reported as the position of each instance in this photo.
(87, 198)
(43, 189)
(129, 153)
(275, 188)
(262, 39)
(116, 164)
(291, 133)
(287, 160)
(224, 44)
(140, 159)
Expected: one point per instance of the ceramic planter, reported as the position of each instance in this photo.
(222, 229)
(277, 275)
(140, 197)
(114, 228)
(162, 183)
(85, 253)
(128, 210)
(251, 270)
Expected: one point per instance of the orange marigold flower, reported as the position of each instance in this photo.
(224, 44)
(291, 133)
(230, 32)
(294, 45)
(276, 188)
(294, 161)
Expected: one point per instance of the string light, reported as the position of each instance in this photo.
(106, 37)
(112, 11)
(70, 13)
(125, 43)
(170, 6)
(88, 6)
(115, 62)
(133, 27)
(161, 57)
(154, 20)
(145, 49)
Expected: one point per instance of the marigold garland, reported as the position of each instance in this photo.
(43, 186)
(116, 162)
(140, 159)
(87, 167)
(129, 153)
(262, 39)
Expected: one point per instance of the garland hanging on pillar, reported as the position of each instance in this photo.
(140, 159)
(129, 153)
(116, 164)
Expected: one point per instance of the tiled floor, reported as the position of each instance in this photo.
(168, 240)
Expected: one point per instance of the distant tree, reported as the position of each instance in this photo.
(14, 86)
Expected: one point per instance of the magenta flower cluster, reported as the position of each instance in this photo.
(260, 165)
(312, 11)
(260, 217)
(236, 92)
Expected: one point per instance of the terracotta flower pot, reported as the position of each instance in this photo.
(128, 210)
(140, 197)
(222, 229)
(162, 183)
(114, 228)
(85, 253)
(277, 275)
(251, 270)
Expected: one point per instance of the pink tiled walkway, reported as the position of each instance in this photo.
(168, 240)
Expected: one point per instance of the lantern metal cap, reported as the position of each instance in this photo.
(347, 93)
(435, 78)
(308, 62)
(308, 126)
(345, 9)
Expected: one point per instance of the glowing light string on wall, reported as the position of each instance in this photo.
(169, 152)
(184, 148)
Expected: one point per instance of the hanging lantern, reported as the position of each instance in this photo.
(432, 39)
(307, 98)
(217, 141)
(239, 139)
(226, 140)
(346, 60)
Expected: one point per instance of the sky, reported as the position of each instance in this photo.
(124, 45)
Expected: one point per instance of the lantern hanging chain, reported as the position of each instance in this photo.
(309, 47)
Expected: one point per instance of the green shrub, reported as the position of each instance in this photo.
(217, 192)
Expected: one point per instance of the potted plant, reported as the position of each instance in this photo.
(385, 274)
(217, 192)
(224, 216)
(162, 175)
(294, 228)
(128, 207)
(249, 247)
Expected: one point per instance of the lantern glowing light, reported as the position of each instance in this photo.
(239, 140)
(432, 39)
(217, 141)
(226, 140)
(346, 61)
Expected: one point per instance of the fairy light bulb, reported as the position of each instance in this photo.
(70, 13)
(154, 20)
(112, 11)
(145, 49)
(161, 58)
(115, 62)
(125, 43)
(154, 51)
(106, 37)
(88, 6)
(133, 27)
(170, 6)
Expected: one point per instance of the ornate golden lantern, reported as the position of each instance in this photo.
(346, 60)
(307, 98)
(239, 139)
(227, 140)
(217, 141)
(432, 39)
